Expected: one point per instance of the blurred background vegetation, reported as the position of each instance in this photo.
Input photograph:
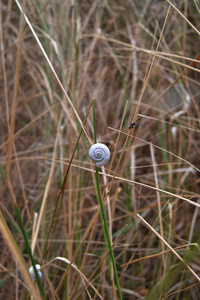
(102, 50)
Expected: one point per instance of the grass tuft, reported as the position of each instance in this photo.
(139, 60)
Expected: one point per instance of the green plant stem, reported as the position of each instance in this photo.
(101, 217)
(28, 247)
(105, 225)
(103, 214)
(196, 7)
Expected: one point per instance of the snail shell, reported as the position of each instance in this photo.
(100, 154)
(32, 273)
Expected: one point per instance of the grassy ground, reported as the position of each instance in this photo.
(139, 60)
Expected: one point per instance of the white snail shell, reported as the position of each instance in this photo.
(100, 154)
(32, 273)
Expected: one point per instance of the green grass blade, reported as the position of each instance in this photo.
(103, 214)
(28, 247)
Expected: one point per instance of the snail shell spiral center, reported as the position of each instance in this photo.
(99, 154)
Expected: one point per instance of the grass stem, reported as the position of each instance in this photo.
(103, 214)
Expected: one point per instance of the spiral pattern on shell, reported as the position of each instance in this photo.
(100, 154)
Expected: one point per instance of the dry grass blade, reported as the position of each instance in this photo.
(54, 72)
(182, 15)
(158, 198)
(73, 265)
(182, 290)
(175, 253)
(46, 192)
(146, 142)
(140, 61)
(15, 95)
(156, 254)
(18, 257)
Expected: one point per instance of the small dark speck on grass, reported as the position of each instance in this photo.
(131, 125)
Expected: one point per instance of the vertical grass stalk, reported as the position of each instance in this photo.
(28, 247)
(103, 214)
(61, 193)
